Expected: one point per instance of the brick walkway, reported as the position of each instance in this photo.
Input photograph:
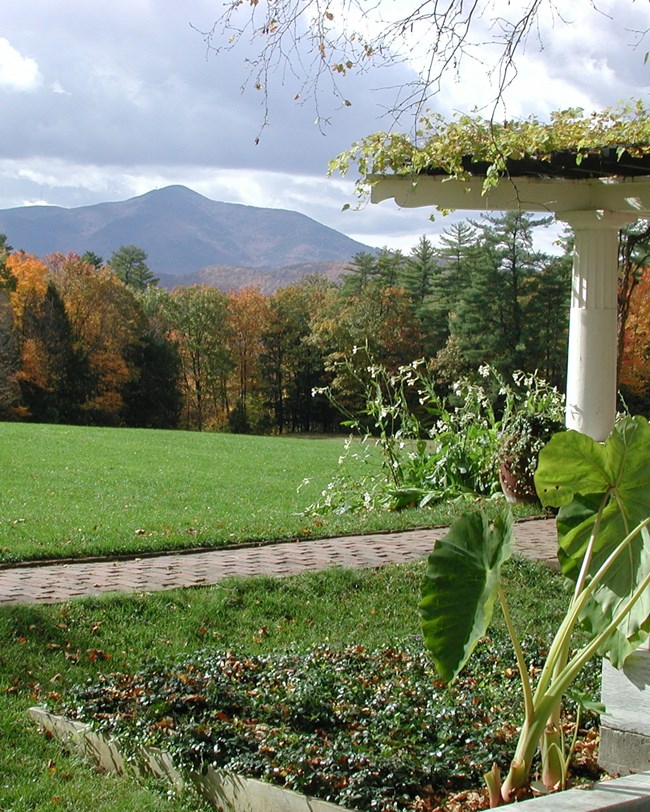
(51, 583)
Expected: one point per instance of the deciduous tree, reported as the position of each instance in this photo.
(54, 378)
(197, 316)
(314, 42)
(292, 364)
(27, 281)
(107, 321)
(634, 376)
(248, 311)
(634, 256)
(9, 360)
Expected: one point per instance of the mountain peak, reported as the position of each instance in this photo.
(183, 233)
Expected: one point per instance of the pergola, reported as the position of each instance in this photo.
(596, 198)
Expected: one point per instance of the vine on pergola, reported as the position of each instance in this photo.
(610, 142)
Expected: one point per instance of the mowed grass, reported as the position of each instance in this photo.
(45, 649)
(70, 491)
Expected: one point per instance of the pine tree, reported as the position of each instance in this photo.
(359, 273)
(488, 321)
(130, 264)
(546, 320)
(91, 258)
(448, 280)
(55, 378)
(390, 266)
(419, 271)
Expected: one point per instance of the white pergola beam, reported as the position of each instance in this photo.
(546, 195)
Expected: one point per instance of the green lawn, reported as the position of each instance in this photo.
(44, 650)
(69, 491)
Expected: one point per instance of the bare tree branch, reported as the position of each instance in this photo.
(316, 43)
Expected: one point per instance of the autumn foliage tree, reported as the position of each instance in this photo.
(106, 321)
(53, 376)
(292, 365)
(247, 319)
(634, 376)
(9, 360)
(197, 323)
(78, 344)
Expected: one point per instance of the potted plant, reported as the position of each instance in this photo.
(522, 437)
(531, 412)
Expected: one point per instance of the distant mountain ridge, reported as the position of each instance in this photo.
(189, 238)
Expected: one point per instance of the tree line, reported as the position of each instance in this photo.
(95, 342)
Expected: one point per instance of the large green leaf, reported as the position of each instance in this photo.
(580, 475)
(460, 587)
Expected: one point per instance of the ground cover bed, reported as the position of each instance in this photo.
(364, 728)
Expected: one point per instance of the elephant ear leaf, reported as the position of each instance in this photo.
(603, 490)
(570, 463)
(460, 587)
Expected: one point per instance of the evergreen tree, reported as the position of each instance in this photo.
(359, 273)
(488, 321)
(130, 264)
(419, 271)
(447, 282)
(6, 279)
(9, 358)
(93, 259)
(547, 320)
(390, 265)
(55, 379)
(152, 397)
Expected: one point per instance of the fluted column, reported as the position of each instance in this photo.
(591, 370)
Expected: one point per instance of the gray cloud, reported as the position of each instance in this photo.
(109, 100)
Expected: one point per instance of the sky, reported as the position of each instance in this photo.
(104, 101)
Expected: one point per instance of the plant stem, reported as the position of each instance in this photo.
(554, 764)
(521, 662)
(548, 696)
(586, 561)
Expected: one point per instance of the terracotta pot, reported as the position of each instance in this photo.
(517, 485)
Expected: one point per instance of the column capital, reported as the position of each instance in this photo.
(597, 219)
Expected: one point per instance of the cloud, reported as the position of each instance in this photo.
(17, 72)
(124, 98)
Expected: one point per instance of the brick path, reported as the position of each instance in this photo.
(51, 583)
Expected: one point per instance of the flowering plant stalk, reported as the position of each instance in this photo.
(432, 447)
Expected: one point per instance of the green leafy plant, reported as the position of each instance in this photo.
(433, 448)
(470, 144)
(533, 412)
(603, 492)
(342, 724)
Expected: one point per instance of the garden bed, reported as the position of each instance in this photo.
(361, 729)
(228, 792)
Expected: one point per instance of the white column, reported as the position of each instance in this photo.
(591, 371)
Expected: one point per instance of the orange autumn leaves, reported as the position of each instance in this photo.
(635, 358)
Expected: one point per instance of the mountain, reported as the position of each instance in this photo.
(188, 238)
